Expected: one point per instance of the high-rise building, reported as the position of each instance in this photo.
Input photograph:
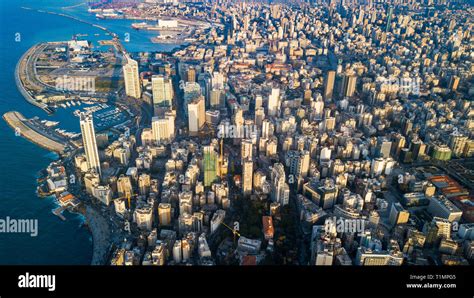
(163, 128)
(383, 148)
(143, 217)
(247, 175)
(280, 189)
(246, 149)
(144, 181)
(124, 187)
(454, 83)
(349, 85)
(164, 214)
(389, 18)
(191, 74)
(267, 128)
(216, 97)
(274, 102)
(186, 248)
(217, 220)
(322, 193)
(131, 78)
(177, 251)
(196, 114)
(185, 202)
(418, 148)
(162, 89)
(259, 116)
(398, 145)
(329, 84)
(210, 164)
(457, 142)
(89, 142)
(398, 215)
(329, 123)
(217, 80)
(298, 162)
(441, 152)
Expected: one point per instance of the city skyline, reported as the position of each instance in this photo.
(320, 133)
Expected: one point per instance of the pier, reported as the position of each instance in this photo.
(59, 212)
(23, 126)
(76, 19)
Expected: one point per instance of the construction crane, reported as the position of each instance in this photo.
(234, 230)
(128, 200)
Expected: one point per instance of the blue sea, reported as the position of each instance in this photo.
(58, 242)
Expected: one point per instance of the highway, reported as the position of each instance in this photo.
(20, 86)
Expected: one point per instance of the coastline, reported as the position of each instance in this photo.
(20, 86)
(101, 236)
(97, 224)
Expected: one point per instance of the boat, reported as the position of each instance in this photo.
(138, 26)
(68, 104)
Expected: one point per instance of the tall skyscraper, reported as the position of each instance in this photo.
(196, 114)
(349, 85)
(89, 142)
(274, 102)
(210, 165)
(162, 89)
(280, 189)
(389, 18)
(131, 78)
(163, 128)
(247, 175)
(329, 84)
(191, 91)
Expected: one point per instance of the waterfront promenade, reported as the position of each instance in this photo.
(21, 70)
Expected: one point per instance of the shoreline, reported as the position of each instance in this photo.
(97, 225)
(101, 236)
(21, 87)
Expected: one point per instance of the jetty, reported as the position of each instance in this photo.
(25, 128)
(59, 212)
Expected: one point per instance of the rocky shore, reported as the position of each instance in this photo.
(101, 237)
